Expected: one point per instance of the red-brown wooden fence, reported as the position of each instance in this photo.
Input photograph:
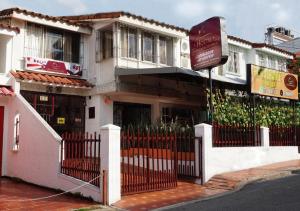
(80, 156)
(236, 135)
(148, 161)
(284, 136)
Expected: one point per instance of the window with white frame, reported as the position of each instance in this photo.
(51, 43)
(282, 65)
(16, 141)
(128, 42)
(234, 62)
(262, 60)
(165, 50)
(148, 47)
(272, 62)
(106, 44)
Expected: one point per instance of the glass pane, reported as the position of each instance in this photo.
(148, 47)
(132, 39)
(124, 46)
(54, 45)
(162, 50)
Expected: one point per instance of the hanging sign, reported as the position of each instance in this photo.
(208, 44)
(269, 82)
(33, 63)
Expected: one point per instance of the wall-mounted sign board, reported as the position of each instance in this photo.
(273, 83)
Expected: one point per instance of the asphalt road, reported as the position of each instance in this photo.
(281, 194)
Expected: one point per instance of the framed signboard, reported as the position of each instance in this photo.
(273, 83)
(208, 44)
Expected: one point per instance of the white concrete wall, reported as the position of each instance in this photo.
(218, 160)
(38, 158)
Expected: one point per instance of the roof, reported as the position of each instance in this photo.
(239, 40)
(262, 45)
(61, 80)
(292, 45)
(118, 14)
(9, 28)
(6, 91)
(9, 12)
(176, 70)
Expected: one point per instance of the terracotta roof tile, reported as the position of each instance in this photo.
(10, 28)
(50, 78)
(10, 11)
(6, 91)
(261, 45)
(118, 14)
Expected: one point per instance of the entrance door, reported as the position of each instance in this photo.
(1, 136)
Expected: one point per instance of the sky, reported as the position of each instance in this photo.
(244, 19)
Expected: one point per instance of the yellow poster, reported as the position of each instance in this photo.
(60, 120)
(265, 81)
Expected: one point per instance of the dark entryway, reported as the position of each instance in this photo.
(65, 113)
(126, 114)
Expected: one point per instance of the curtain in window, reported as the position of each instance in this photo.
(148, 47)
(68, 47)
(124, 42)
(132, 43)
(34, 40)
(162, 50)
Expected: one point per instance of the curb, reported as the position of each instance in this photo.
(239, 186)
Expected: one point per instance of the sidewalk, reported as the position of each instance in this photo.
(17, 195)
(218, 185)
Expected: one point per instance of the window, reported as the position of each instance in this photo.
(262, 60)
(233, 62)
(91, 112)
(165, 51)
(272, 63)
(148, 47)
(282, 65)
(54, 45)
(34, 40)
(106, 44)
(16, 132)
(46, 42)
(128, 42)
(97, 47)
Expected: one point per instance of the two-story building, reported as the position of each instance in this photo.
(78, 73)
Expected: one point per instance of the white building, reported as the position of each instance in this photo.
(78, 73)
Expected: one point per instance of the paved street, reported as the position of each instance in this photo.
(280, 194)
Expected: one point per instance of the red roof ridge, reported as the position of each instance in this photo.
(10, 28)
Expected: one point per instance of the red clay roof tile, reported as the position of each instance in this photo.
(6, 91)
(50, 78)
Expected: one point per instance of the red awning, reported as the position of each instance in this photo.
(6, 91)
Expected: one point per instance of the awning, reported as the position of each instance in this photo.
(176, 71)
(60, 80)
(6, 91)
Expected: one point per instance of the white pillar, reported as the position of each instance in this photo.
(204, 131)
(265, 139)
(110, 161)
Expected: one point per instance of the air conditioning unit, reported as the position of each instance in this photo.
(185, 62)
(185, 47)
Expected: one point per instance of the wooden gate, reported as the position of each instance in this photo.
(148, 161)
(189, 155)
(80, 156)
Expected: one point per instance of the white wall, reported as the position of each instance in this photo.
(218, 160)
(37, 160)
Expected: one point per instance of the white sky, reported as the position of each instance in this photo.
(245, 19)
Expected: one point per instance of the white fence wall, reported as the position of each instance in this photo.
(218, 160)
